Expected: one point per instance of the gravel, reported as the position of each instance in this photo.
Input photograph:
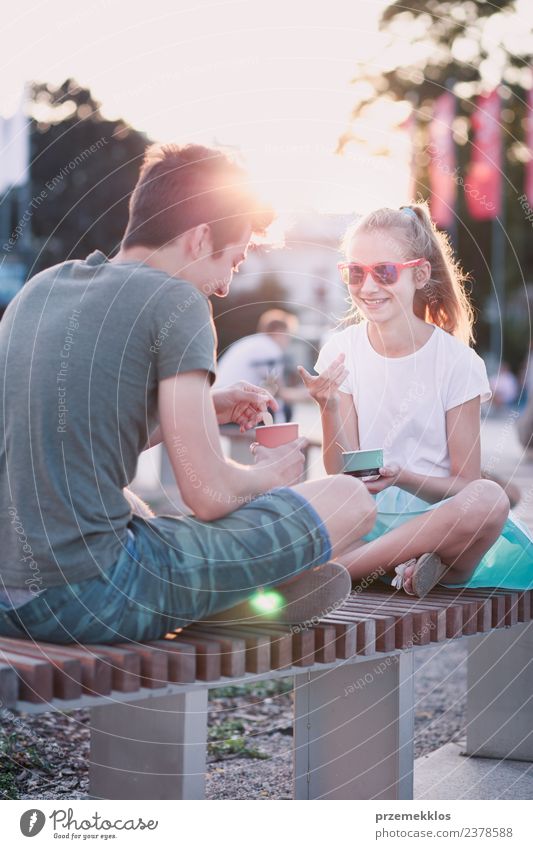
(45, 756)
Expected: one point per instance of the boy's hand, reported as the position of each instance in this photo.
(286, 462)
(242, 404)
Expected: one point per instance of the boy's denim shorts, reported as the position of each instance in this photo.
(175, 570)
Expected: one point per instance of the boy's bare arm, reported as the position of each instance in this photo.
(210, 484)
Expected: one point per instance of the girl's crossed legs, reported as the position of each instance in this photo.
(460, 531)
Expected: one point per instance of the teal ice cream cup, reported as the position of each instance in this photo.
(359, 464)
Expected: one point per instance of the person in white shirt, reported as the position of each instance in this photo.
(402, 377)
(504, 385)
(261, 359)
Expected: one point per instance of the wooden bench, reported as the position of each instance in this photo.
(353, 692)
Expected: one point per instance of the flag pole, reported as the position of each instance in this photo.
(497, 264)
(499, 283)
(452, 229)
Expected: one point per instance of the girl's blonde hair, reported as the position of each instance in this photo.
(443, 301)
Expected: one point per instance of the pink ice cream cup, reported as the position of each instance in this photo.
(272, 436)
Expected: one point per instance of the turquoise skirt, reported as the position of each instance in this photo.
(508, 564)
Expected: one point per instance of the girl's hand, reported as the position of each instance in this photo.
(388, 476)
(324, 389)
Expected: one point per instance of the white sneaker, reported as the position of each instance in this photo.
(305, 600)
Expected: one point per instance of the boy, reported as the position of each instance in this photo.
(101, 358)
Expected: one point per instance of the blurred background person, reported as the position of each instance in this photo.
(505, 386)
(524, 425)
(526, 376)
(263, 359)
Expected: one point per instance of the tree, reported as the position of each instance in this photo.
(84, 166)
(466, 44)
(429, 46)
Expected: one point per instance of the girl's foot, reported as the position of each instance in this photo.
(419, 575)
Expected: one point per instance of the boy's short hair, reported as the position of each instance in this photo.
(182, 187)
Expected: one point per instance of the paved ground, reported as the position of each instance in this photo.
(447, 774)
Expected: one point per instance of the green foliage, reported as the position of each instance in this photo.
(255, 689)
(86, 190)
(448, 44)
(447, 40)
(14, 758)
(226, 740)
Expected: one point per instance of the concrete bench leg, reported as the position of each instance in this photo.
(150, 749)
(353, 731)
(500, 694)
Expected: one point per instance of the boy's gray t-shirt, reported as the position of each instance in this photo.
(83, 347)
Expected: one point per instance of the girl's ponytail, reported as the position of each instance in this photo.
(443, 300)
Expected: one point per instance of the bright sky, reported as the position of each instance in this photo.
(272, 78)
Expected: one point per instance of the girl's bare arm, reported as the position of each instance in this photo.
(464, 445)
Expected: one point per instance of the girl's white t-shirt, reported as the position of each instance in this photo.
(401, 402)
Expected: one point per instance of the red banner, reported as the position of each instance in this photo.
(442, 165)
(483, 185)
(529, 141)
(409, 128)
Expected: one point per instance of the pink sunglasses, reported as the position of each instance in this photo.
(384, 273)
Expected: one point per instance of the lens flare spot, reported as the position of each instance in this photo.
(266, 601)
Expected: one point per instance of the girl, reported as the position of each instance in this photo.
(403, 378)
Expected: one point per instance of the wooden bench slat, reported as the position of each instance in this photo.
(66, 671)
(96, 675)
(327, 640)
(401, 610)
(510, 603)
(181, 660)
(36, 680)
(437, 614)
(483, 615)
(325, 643)
(524, 607)
(345, 638)
(257, 656)
(494, 603)
(404, 624)
(208, 661)
(365, 628)
(462, 615)
(280, 648)
(511, 609)
(303, 647)
(457, 617)
(232, 649)
(303, 643)
(498, 609)
(125, 667)
(154, 664)
(385, 639)
(476, 611)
